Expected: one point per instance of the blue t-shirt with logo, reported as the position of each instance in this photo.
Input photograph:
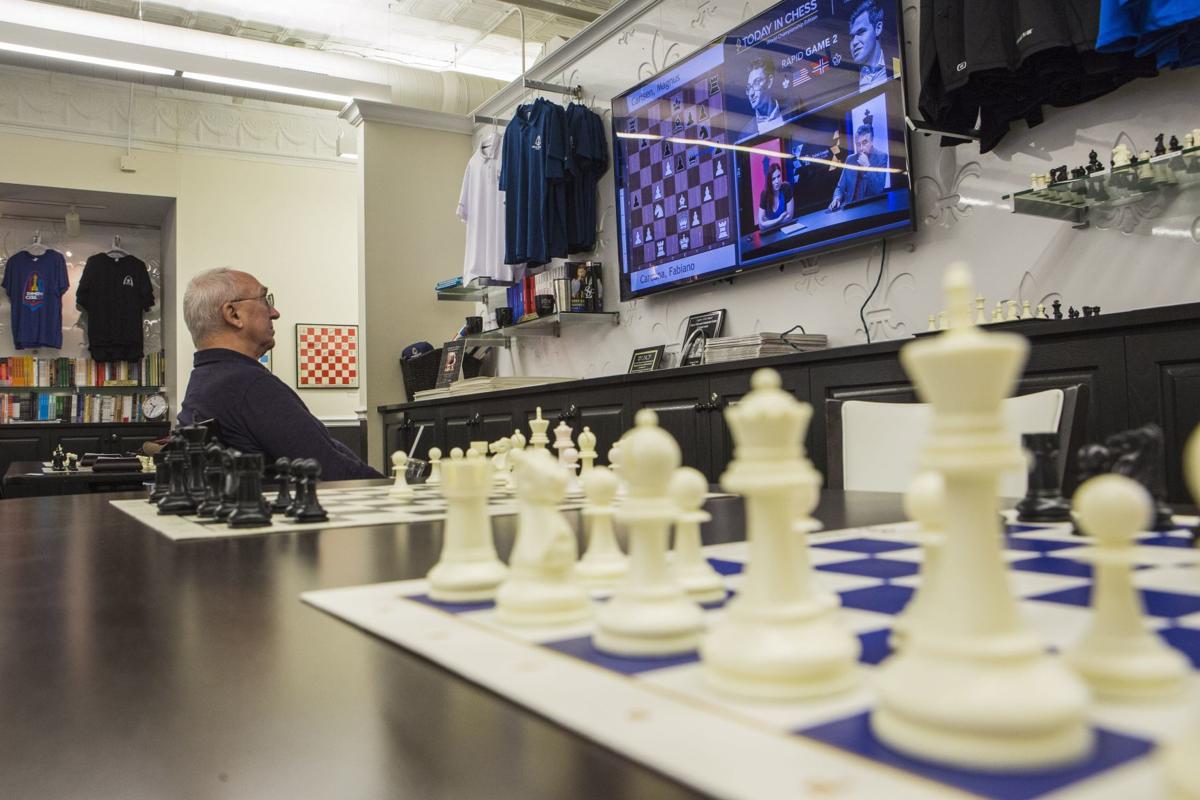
(35, 286)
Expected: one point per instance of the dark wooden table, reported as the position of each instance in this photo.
(26, 479)
(134, 667)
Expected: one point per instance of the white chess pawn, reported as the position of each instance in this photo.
(587, 450)
(1179, 760)
(998, 312)
(689, 489)
(435, 466)
(1026, 311)
(1035, 181)
(400, 491)
(603, 564)
(614, 463)
(541, 588)
(924, 503)
(1118, 656)
(468, 569)
(479, 447)
(456, 453)
(1041, 311)
(1012, 311)
(570, 464)
(941, 320)
(780, 637)
(537, 429)
(980, 304)
(649, 614)
(932, 323)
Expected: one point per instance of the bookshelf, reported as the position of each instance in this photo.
(77, 390)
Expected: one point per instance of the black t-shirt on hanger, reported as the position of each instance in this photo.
(115, 292)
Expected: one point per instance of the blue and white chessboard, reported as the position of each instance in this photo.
(659, 711)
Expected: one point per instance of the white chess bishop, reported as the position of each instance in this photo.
(688, 489)
(1118, 656)
(400, 491)
(781, 636)
(468, 569)
(649, 613)
(974, 687)
(541, 588)
(435, 466)
(587, 450)
(603, 564)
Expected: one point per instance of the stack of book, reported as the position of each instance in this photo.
(68, 372)
(485, 384)
(758, 345)
(70, 408)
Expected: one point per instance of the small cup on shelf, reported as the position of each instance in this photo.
(504, 316)
(544, 304)
(474, 325)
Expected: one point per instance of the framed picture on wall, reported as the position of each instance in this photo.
(326, 356)
(700, 328)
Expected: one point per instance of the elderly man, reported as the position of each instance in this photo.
(870, 180)
(231, 318)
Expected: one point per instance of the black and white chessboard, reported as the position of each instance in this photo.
(347, 508)
(659, 712)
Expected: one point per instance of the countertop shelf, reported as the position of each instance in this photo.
(1073, 200)
(550, 325)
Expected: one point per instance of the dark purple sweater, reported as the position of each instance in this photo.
(258, 413)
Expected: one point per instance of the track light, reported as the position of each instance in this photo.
(72, 223)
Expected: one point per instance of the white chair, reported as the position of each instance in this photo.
(877, 445)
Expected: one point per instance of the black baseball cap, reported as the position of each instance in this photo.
(416, 349)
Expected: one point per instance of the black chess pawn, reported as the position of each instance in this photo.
(1057, 305)
(1094, 164)
(178, 500)
(1159, 147)
(301, 494)
(162, 476)
(312, 510)
(1087, 311)
(1095, 311)
(283, 474)
(1043, 501)
(1174, 146)
(194, 438)
(214, 481)
(229, 482)
(252, 509)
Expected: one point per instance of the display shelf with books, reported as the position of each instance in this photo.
(80, 407)
(65, 373)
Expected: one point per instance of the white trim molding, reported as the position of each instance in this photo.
(359, 111)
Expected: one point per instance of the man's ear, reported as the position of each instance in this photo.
(231, 316)
(879, 28)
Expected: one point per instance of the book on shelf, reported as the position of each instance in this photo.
(67, 373)
(71, 408)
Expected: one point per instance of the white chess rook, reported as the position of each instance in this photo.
(1118, 657)
(780, 637)
(649, 614)
(468, 569)
(541, 588)
(603, 564)
(925, 504)
(975, 688)
(400, 491)
(688, 489)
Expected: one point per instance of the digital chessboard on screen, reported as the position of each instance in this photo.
(661, 713)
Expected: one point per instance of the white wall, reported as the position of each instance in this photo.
(1144, 255)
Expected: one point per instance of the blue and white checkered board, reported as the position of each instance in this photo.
(660, 712)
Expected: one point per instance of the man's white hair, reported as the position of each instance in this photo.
(206, 294)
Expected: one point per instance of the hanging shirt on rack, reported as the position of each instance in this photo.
(481, 207)
(588, 149)
(1169, 30)
(115, 292)
(35, 286)
(531, 177)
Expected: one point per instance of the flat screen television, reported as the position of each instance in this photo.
(783, 138)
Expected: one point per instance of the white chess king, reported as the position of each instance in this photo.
(973, 687)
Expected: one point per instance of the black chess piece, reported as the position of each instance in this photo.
(1139, 454)
(1095, 311)
(252, 509)
(229, 482)
(1072, 313)
(214, 480)
(1043, 501)
(1078, 172)
(1175, 146)
(58, 460)
(312, 510)
(194, 439)
(1159, 147)
(1094, 164)
(283, 474)
(1087, 311)
(162, 476)
(1058, 174)
(301, 494)
(178, 500)
(1057, 306)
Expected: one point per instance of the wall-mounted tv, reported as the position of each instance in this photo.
(784, 137)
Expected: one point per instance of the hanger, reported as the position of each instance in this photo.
(36, 248)
(116, 251)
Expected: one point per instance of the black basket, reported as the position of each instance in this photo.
(420, 373)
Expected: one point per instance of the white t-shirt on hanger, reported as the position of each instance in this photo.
(481, 206)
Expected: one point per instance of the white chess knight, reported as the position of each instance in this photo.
(781, 636)
(400, 490)
(468, 569)
(501, 465)
(688, 490)
(649, 613)
(587, 450)
(537, 430)
(975, 687)
(925, 504)
(1118, 656)
(1179, 756)
(603, 564)
(541, 588)
(435, 466)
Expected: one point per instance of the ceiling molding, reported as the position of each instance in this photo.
(360, 111)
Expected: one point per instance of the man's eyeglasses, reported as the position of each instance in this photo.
(267, 298)
(756, 85)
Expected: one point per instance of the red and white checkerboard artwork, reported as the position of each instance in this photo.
(326, 356)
